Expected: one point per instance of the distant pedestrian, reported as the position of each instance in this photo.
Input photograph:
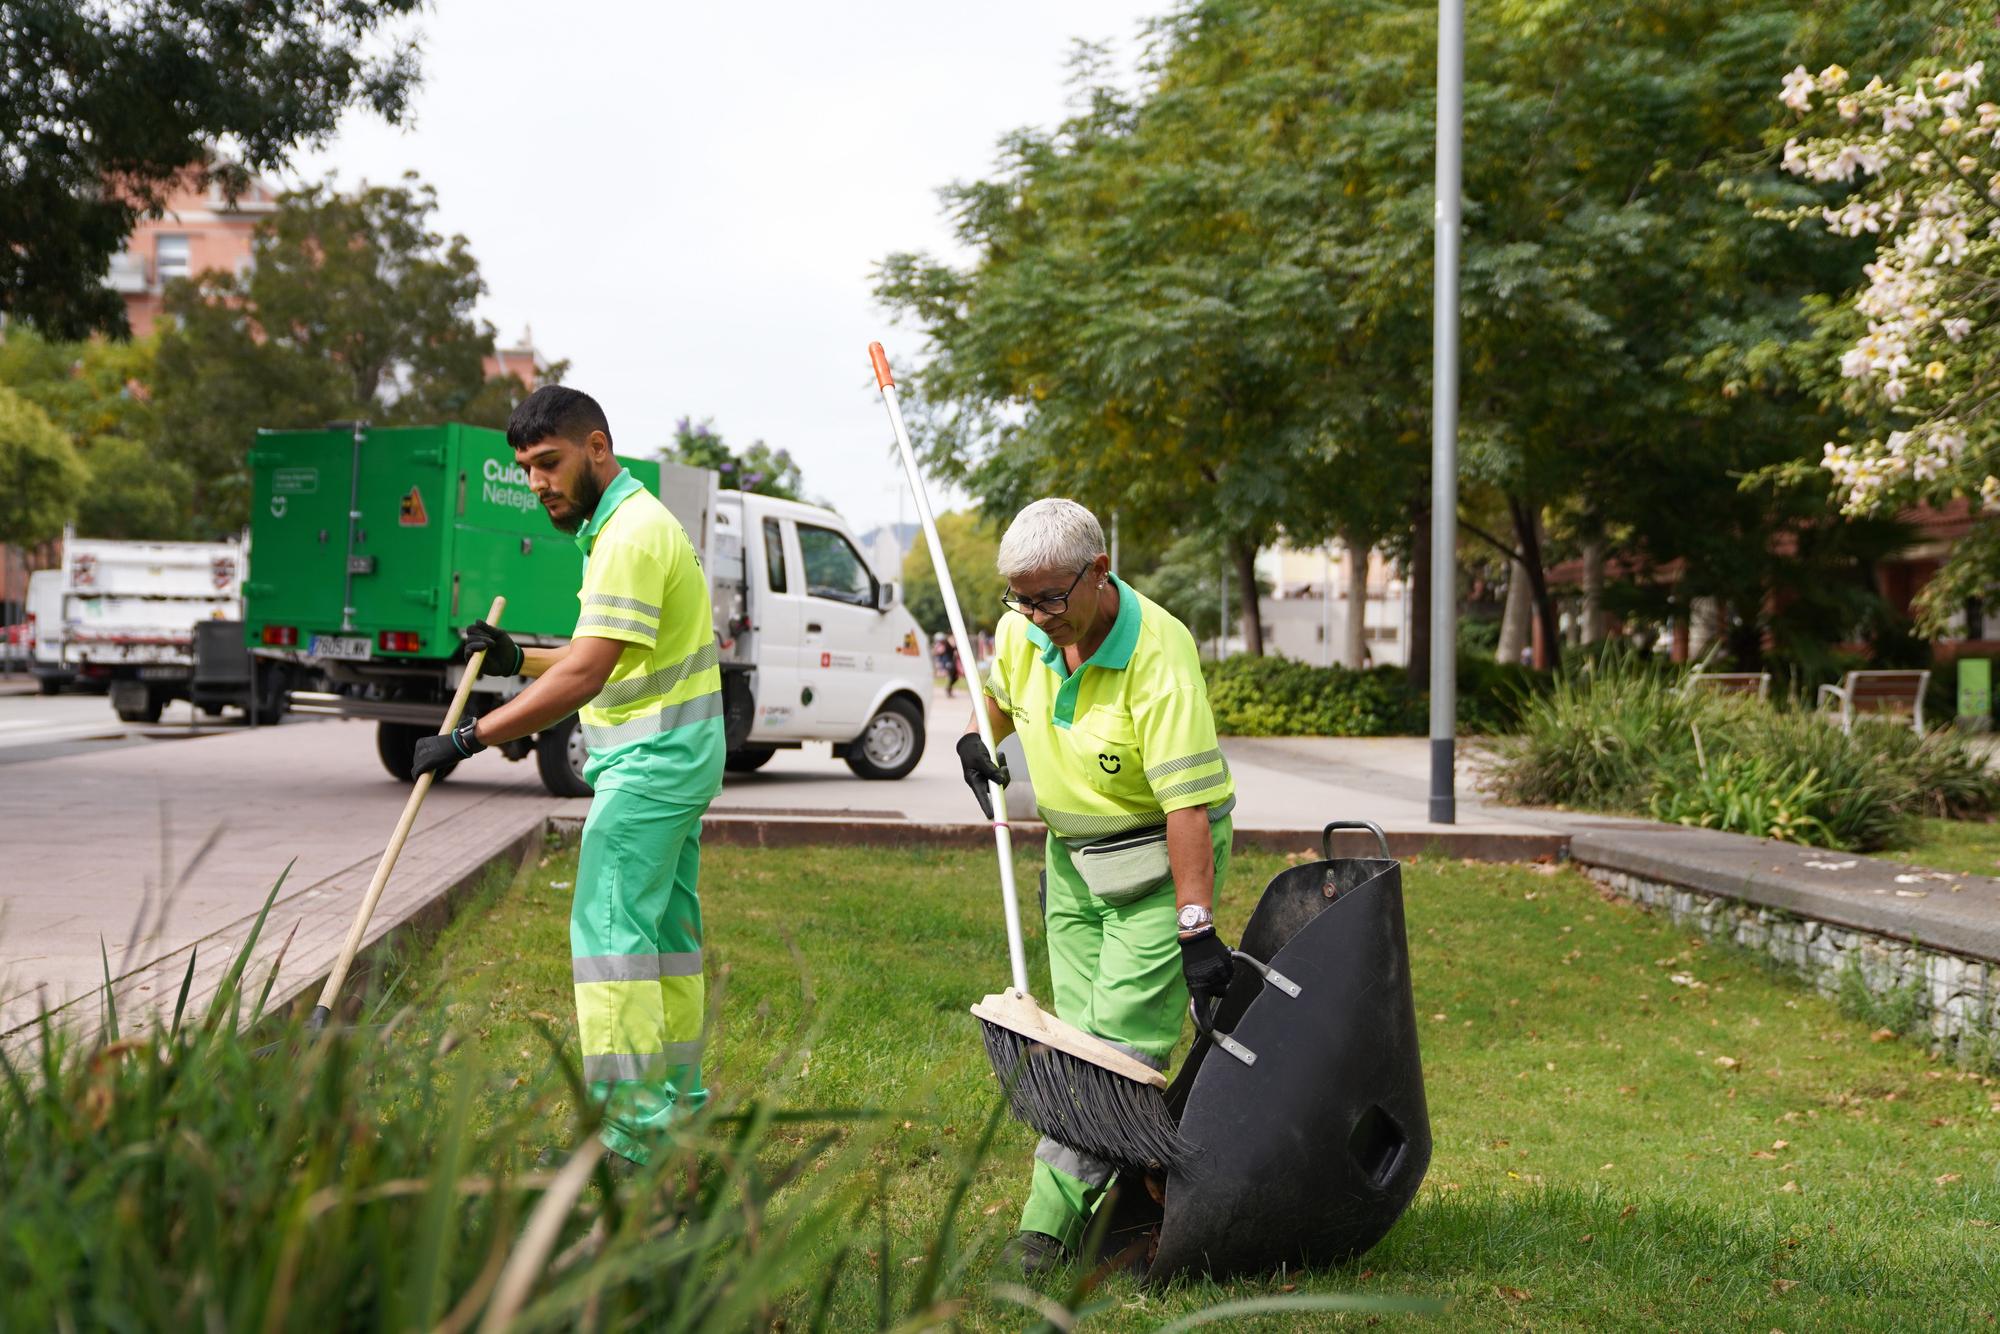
(949, 666)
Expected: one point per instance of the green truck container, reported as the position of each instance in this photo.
(371, 546)
(378, 545)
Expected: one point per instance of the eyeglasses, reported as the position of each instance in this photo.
(1055, 606)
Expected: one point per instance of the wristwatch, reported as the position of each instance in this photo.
(1194, 917)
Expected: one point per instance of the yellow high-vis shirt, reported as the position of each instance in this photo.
(656, 727)
(1126, 737)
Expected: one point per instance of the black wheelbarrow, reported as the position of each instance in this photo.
(1303, 1090)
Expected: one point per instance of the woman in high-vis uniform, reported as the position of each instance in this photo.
(1105, 690)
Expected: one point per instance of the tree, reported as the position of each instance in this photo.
(104, 109)
(1910, 165)
(759, 469)
(972, 548)
(101, 395)
(353, 309)
(1204, 304)
(40, 474)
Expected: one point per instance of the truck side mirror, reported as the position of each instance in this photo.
(885, 595)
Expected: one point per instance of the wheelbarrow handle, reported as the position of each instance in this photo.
(1205, 1024)
(1326, 835)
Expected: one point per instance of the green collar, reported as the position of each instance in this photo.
(1114, 654)
(623, 485)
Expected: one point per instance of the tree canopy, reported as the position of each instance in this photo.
(106, 108)
(1205, 303)
(758, 468)
(353, 309)
(971, 544)
(40, 474)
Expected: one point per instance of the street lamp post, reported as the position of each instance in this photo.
(1444, 411)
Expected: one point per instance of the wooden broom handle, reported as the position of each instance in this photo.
(389, 854)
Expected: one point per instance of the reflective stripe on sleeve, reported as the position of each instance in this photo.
(601, 622)
(621, 603)
(666, 720)
(1192, 785)
(1159, 771)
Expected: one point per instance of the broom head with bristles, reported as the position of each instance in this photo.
(1077, 1089)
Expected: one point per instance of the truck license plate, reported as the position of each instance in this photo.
(349, 647)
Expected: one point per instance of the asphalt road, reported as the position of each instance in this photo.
(34, 726)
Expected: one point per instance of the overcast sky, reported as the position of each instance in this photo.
(686, 200)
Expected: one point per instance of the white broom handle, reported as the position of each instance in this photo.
(968, 653)
(331, 990)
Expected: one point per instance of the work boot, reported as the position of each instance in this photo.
(1036, 1252)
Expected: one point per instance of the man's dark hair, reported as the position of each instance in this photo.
(556, 409)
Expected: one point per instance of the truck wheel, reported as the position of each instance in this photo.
(396, 743)
(137, 702)
(49, 685)
(749, 759)
(891, 744)
(559, 754)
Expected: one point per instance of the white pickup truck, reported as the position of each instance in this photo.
(121, 615)
(814, 645)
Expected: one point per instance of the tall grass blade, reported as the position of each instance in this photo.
(180, 1001)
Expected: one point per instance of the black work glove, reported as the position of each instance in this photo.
(503, 656)
(434, 752)
(980, 770)
(1206, 965)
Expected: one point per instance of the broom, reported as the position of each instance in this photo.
(1077, 1089)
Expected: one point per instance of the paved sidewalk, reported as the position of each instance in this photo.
(154, 850)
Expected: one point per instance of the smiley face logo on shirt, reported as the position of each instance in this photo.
(1109, 763)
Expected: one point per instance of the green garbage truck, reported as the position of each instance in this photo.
(371, 546)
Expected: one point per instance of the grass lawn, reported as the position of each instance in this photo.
(1614, 1147)
(1972, 846)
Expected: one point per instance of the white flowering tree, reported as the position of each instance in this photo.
(1919, 366)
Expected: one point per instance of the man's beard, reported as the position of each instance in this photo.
(589, 491)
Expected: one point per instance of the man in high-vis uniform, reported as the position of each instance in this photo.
(642, 673)
(1104, 688)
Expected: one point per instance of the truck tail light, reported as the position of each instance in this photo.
(398, 641)
(281, 636)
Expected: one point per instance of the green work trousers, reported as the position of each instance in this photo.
(1116, 973)
(635, 959)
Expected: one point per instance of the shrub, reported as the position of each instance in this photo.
(1624, 737)
(1597, 738)
(1272, 696)
(1265, 696)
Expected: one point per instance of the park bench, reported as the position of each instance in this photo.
(1893, 693)
(1729, 683)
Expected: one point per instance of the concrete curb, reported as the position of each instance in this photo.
(1957, 914)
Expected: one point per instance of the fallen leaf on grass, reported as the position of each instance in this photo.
(1727, 1062)
(1978, 1222)
(1781, 1144)
(1627, 1212)
(1946, 1179)
(1781, 1286)
(1289, 1287)
(1763, 1154)
(1883, 1035)
(1586, 1238)
(1514, 1294)
(1789, 1188)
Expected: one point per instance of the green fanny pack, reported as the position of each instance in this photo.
(1124, 867)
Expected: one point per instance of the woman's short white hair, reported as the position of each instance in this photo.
(1051, 534)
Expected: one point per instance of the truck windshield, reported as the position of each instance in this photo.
(834, 569)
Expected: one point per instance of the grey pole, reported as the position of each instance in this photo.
(1444, 412)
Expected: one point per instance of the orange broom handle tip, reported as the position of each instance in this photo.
(883, 379)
